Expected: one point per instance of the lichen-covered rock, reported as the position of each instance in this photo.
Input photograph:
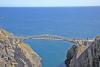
(15, 53)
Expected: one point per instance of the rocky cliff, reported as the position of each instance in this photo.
(15, 53)
(87, 54)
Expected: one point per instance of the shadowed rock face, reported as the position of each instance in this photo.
(15, 53)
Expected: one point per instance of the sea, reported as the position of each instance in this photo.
(71, 22)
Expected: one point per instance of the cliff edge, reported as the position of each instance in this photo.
(15, 53)
(87, 54)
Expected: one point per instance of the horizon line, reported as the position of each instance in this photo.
(45, 6)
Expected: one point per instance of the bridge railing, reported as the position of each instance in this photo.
(52, 37)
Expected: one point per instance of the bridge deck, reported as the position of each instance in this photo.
(53, 37)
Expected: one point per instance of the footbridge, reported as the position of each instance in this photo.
(53, 37)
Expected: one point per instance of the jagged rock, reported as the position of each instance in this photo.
(87, 55)
(15, 53)
(70, 53)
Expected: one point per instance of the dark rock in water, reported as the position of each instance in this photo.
(70, 53)
(15, 53)
(87, 55)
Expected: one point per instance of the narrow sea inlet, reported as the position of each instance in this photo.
(73, 22)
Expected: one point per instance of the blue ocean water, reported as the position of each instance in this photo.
(74, 22)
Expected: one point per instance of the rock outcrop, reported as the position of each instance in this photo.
(15, 53)
(87, 54)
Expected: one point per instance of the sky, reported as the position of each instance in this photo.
(48, 3)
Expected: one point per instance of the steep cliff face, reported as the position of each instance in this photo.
(87, 55)
(15, 53)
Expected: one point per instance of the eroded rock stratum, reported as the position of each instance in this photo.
(16, 53)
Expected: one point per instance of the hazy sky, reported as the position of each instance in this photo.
(49, 3)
